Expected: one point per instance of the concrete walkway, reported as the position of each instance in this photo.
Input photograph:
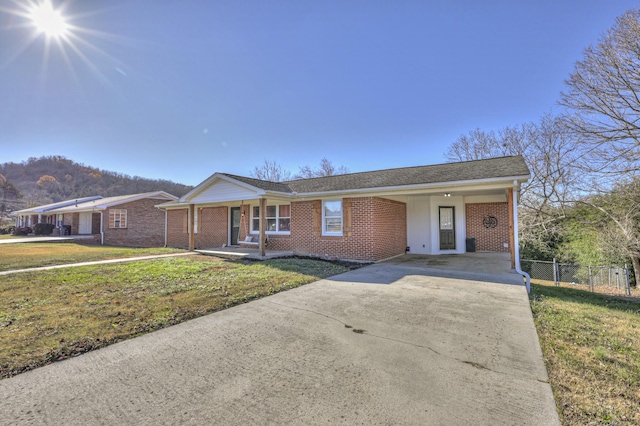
(43, 239)
(96, 262)
(384, 344)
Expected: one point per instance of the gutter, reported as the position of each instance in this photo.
(516, 249)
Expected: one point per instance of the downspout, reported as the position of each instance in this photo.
(101, 228)
(166, 229)
(516, 248)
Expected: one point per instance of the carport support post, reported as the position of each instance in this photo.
(263, 222)
(192, 239)
(512, 238)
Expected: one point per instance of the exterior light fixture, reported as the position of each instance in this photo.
(447, 194)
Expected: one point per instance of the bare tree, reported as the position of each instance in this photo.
(271, 171)
(616, 220)
(548, 150)
(603, 100)
(478, 144)
(326, 169)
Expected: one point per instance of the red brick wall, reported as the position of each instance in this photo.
(378, 230)
(177, 235)
(95, 223)
(145, 225)
(488, 239)
(72, 219)
(374, 229)
(245, 226)
(213, 227)
(390, 228)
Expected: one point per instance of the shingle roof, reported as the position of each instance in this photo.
(59, 204)
(102, 203)
(261, 184)
(440, 173)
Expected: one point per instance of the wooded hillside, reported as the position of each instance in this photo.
(55, 178)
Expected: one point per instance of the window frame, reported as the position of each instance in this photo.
(276, 218)
(325, 217)
(116, 217)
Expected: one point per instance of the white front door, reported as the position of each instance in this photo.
(84, 227)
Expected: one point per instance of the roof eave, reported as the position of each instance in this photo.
(400, 189)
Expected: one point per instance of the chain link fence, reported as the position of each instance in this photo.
(610, 278)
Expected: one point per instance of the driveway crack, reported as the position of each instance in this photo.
(361, 331)
(356, 330)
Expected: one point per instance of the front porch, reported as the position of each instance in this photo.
(232, 252)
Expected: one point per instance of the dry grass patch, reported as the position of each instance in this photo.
(591, 347)
(51, 315)
(33, 255)
(601, 289)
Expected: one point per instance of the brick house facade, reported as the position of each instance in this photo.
(377, 229)
(127, 220)
(144, 228)
(366, 216)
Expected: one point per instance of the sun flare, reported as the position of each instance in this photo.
(49, 21)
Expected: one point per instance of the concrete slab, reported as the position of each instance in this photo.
(243, 253)
(48, 239)
(384, 344)
(478, 266)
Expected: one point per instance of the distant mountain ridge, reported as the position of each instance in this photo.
(54, 178)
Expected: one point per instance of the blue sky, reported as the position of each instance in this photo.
(180, 89)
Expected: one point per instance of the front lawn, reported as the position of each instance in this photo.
(591, 347)
(47, 316)
(32, 255)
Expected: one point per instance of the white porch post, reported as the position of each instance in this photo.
(263, 223)
(512, 236)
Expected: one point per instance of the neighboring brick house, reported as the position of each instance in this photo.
(127, 220)
(367, 216)
(43, 214)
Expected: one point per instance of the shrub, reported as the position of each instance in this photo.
(43, 228)
(6, 229)
(25, 230)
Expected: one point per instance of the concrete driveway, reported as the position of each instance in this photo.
(385, 344)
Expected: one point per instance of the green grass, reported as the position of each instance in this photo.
(31, 255)
(51, 315)
(591, 347)
(9, 237)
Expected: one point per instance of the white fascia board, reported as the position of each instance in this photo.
(95, 205)
(75, 210)
(172, 206)
(58, 205)
(476, 184)
(275, 195)
(211, 180)
(155, 194)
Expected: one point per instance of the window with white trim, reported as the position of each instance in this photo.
(332, 217)
(278, 218)
(117, 218)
